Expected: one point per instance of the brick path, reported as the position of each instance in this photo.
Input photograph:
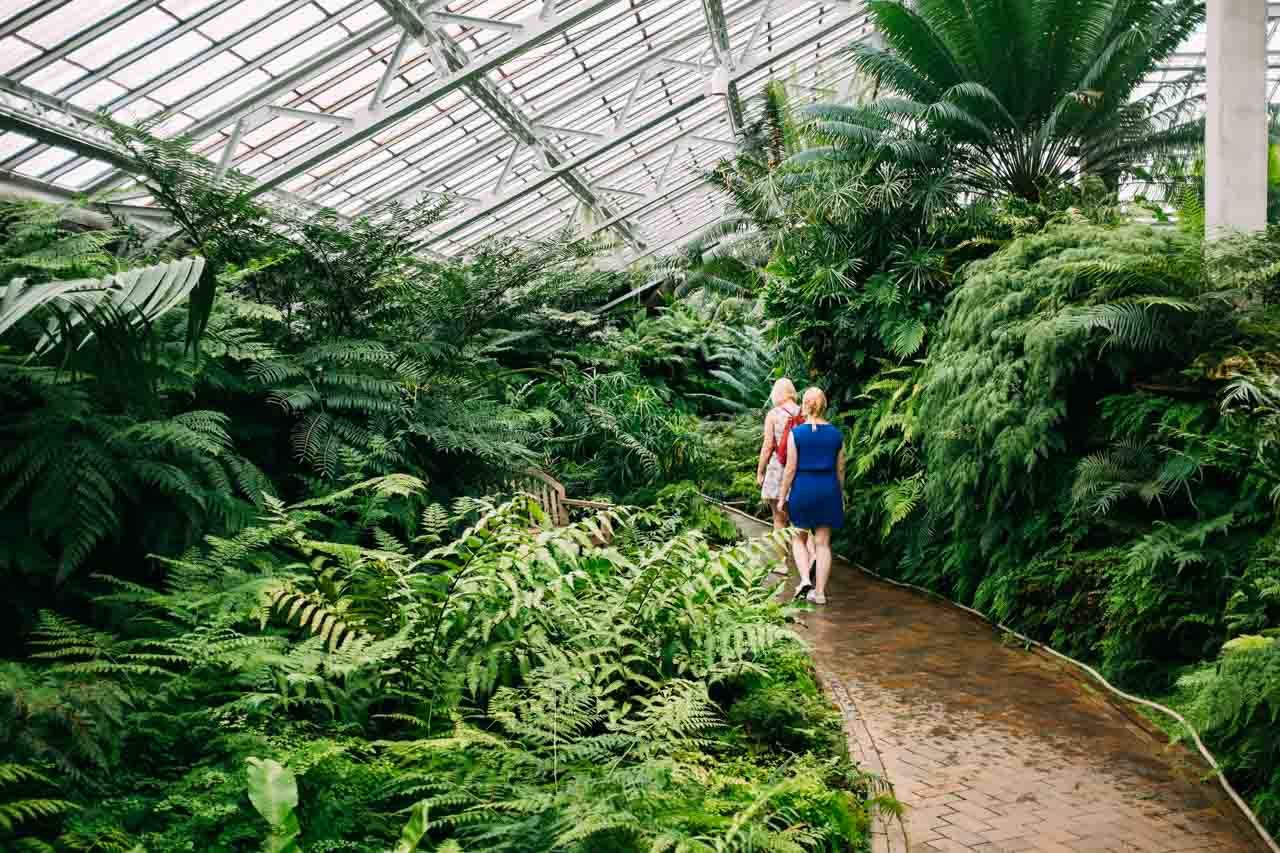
(997, 748)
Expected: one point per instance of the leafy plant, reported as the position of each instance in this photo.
(1236, 702)
(273, 790)
(138, 296)
(510, 686)
(1018, 97)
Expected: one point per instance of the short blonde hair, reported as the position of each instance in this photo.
(783, 389)
(815, 403)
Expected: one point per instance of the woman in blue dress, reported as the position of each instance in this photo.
(813, 490)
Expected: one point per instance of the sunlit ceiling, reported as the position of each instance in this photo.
(529, 113)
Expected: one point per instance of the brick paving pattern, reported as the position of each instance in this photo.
(996, 748)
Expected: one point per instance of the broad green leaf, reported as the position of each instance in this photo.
(273, 790)
(413, 832)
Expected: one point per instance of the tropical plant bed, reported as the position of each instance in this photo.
(367, 671)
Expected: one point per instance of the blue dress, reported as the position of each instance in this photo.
(816, 499)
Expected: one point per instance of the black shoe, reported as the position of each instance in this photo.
(802, 591)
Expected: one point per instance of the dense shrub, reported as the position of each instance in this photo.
(513, 685)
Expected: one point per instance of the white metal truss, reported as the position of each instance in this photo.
(450, 59)
(528, 114)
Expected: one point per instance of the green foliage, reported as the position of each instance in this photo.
(1018, 98)
(731, 444)
(1235, 704)
(255, 611)
(637, 436)
(214, 214)
(513, 686)
(1075, 305)
(1175, 181)
(786, 711)
(28, 809)
(273, 790)
(682, 503)
(41, 243)
(78, 477)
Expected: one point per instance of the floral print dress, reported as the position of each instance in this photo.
(773, 474)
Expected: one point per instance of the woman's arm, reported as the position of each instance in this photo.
(788, 475)
(840, 467)
(766, 449)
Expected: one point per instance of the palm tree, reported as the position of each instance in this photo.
(1018, 95)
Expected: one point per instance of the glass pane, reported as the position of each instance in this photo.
(187, 9)
(14, 52)
(369, 15)
(124, 38)
(59, 26)
(196, 79)
(85, 174)
(279, 32)
(98, 94)
(43, 162)
(55, 76)
(229, 93)
(12, 143)
(168, 55)
(238, 17)
(308, 49)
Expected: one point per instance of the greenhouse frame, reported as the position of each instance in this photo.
(528, 114)
(640, 426)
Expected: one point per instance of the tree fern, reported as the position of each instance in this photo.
(77, 474)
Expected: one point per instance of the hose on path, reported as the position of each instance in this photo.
(1097, 676)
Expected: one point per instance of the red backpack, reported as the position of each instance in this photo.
(781, 447)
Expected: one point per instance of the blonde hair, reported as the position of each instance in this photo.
(783, 389)
(815, 403)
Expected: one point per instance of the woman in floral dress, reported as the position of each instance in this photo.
(769, 468)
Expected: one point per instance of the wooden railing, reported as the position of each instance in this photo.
(550, 495)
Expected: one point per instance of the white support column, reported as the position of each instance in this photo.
(229, 150)
(1236, 116)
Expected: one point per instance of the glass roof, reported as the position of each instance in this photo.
(529, 113)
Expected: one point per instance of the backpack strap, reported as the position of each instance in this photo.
(792, 422)
(779, 444)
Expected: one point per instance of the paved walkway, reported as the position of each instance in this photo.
(991, 747)
(997, 748)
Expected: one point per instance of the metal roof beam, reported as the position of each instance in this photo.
(266, 93)
(521, 128)
(406, 15)
(64, 125)
(468, 217)
(640, 67)
(672, 146)
(478, 23)
(105, 70)
(718, 29)
(415, 99)
(55, 122)
(147, 88)
(655, 196)
(29, 189)
(81, 38)
(691, 185)
(21, 20)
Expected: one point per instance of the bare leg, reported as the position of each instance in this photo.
(802, 550)
(822, 553)
(780, 523)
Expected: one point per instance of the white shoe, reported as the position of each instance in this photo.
(814, 598)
